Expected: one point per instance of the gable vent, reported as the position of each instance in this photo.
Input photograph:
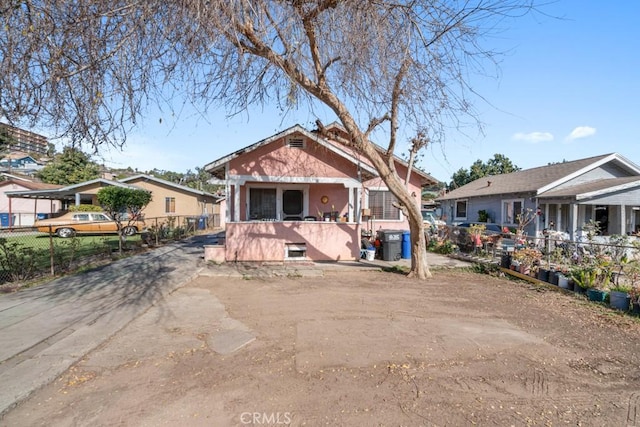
(295, 143)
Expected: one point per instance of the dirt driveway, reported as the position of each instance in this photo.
(356, 349)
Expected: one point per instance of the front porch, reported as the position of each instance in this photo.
(292, 240)
(572, 217)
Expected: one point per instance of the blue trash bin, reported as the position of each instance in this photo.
(202, 223)
(406, 245)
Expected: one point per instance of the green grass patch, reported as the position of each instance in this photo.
(24, 257)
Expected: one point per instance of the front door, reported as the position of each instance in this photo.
(293, 204)
(602, 217)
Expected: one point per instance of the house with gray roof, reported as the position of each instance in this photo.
(564, 196)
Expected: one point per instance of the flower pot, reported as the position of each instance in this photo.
(579, 289)
(505, 260)
(635, 309)
(563, 281)
(619, 300)
(553, 277)
(596, 295)
(543, 274)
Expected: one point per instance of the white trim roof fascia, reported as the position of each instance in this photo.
(167, 183)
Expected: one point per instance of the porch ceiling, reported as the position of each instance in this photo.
(594, 188)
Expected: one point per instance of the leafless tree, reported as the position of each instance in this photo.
(88, 69)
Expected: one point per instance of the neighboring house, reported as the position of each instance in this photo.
(564, 195)
(75, 194)
(20, 163)
(169, 198)
(16, 212)
(283, 195)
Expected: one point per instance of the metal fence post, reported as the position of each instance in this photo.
(53, 270)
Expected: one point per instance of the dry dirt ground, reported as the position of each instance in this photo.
(356, 349)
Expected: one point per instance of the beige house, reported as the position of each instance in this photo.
(167, 198)
(170, 199)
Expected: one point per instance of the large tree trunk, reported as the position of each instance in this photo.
(419, 264)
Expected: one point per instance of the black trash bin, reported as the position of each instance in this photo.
(391, 244)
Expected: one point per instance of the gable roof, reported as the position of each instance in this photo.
(67, 192)
(427, 178)
(216, 167)
(30, 184)
(540, 180)
(596, 188)
(164, 182)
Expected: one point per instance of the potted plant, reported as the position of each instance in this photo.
(476, 231)
(619, 297)
(527, 258)
(584, 278)
(631, 278)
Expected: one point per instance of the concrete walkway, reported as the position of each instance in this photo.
(46, 329)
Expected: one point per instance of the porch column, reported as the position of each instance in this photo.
(558, 217)
(537, 221)
(546, 215)
(351, 205)
(236, 202)
(573, 211)
(77, 199)
(358, 212)
(623, 220)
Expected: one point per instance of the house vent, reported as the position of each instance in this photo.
(295, 143)
(295, 251)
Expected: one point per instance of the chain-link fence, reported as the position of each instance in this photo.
(28, 253)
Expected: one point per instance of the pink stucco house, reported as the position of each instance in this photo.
(23, 212)
(299, 195)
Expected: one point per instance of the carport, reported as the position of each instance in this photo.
(76, 194)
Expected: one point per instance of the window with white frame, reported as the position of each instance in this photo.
(170, 205)
(460, 209)
(277, 202)
(262, 204)
(382, 206)
(511, 209)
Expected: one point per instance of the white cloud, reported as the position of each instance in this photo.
(533, 137)
(581, 132)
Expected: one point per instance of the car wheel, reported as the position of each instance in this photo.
(65, 232)
(129, 231)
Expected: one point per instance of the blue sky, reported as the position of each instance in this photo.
(569, 88)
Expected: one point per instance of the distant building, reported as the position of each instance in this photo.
(24, 140)
(20, 162)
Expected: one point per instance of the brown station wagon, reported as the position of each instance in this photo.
(72, 223)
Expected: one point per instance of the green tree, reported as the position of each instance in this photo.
(72, 166)
(6, 140)
(123, 205)
(497, 165)
(378, 65)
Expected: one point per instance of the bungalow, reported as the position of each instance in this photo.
(24, 212)
(20, 162)
(297, 194)
(564, 196)
(168, 199)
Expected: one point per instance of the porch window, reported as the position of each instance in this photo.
(262, 203)
(510, 210)
(381, 205)
(461, 209)
(170, 205)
